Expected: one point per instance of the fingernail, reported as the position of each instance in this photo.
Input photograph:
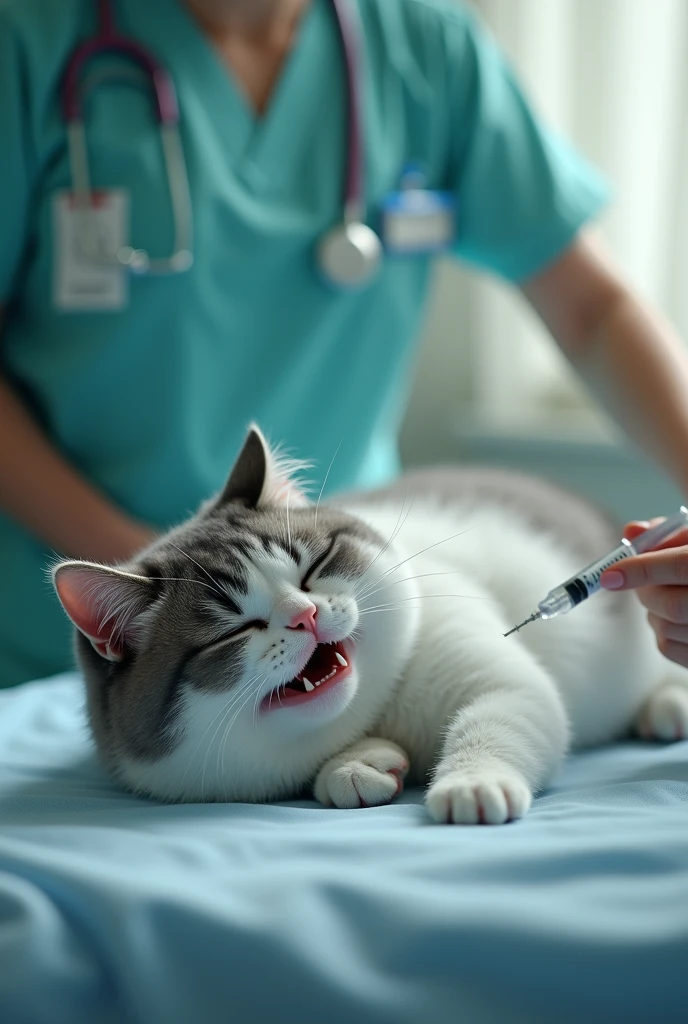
(612, 580)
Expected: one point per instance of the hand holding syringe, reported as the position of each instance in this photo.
(587, 582)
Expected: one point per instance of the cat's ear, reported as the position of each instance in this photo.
(262, 477)
(104, 604)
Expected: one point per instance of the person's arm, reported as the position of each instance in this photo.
(629, 356)
(40, 490)
(632, 359)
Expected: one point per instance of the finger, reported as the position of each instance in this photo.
(666, 630)
(674, 651)
(637, 528)
(656, 568)
(668, 603)
(634, 529)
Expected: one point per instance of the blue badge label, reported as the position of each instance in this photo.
(418, 220)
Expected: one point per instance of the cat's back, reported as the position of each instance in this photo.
(513, 536)
(465, 494)
(508, 538)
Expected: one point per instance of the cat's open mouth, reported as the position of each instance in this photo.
(327, 666)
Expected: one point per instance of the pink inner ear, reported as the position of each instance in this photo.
(102, 604)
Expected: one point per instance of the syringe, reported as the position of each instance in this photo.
(587, 582)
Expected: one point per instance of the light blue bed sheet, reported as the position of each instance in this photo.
(116, 909)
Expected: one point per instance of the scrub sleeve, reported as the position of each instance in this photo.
(524, 191)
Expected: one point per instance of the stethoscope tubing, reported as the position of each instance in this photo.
(349, 253)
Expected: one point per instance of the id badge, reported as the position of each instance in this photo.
(80, 283)
(418, 220)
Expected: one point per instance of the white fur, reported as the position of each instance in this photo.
(489, 718)
(484, 720)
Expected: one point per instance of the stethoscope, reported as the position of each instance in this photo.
(348, 255)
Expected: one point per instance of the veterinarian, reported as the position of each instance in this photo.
(226, 210)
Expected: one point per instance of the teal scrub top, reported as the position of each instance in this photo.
(151, 401)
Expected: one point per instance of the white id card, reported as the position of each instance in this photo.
(80, 284)
(417, 221)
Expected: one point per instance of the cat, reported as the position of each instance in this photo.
(269, 644)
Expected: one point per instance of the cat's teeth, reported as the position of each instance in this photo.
(307, 683)
(342, 661)
(318, 682)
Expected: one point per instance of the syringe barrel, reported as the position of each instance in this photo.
(656, 535)
(585, 583)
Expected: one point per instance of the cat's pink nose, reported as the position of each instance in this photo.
(305, 619)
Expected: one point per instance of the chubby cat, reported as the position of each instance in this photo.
(269, 644)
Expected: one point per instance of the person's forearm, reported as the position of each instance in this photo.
(633, 361)
(40, 490)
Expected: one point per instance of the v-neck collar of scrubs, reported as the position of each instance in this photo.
(256, 143)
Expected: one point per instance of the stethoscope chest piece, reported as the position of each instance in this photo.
(349, 255)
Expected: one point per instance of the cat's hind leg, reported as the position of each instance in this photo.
(502, 746)
(664, 715)
(366, 774)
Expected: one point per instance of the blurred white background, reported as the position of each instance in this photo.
(613, 76)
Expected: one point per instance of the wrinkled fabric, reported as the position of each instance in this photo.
(116, 909)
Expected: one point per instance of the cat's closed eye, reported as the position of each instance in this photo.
(317, 564)
(245, 627)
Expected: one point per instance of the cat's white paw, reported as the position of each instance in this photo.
(664, 716)
(487, 797)
(368, 774)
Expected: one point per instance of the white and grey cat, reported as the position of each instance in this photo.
(268, 644)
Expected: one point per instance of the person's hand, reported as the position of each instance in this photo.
(661, 581)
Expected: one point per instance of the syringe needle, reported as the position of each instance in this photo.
(533, 618)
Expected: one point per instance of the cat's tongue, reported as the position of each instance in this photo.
(327, 666)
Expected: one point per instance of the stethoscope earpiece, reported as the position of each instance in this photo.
(349, 255)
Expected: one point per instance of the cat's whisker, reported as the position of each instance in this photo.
(437, 543)
(255, 706)
(223, 746)
(421, 597)
(192, 757)
(395, 533)
(288, 523)
(216, 585)
(225, 714)
(183, 579)
(408, 579)
(246, 688)
(324, 483)
(231, 696)
(234, 718)
(220, 747)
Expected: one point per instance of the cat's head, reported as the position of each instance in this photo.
(235, 653)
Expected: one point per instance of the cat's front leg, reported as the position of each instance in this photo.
(501, 747)
(366, 774)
